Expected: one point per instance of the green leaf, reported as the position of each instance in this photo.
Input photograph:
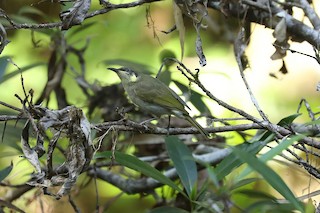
(284, 144)
(3, 65)
(21, 70)
(134, 163)
(213, 177)
(284, 122)
(269, 175)
(231, 162)
(195, 98)
(30, 10)
(310, 208)
(270, 206)
(243, 182)
(168, 209)
(312, 122)
(165, 77)
(287, 121)
(183, 161)
(79, 28)
(254, 194)
(10, 132)
(127, 63)
(5, 172)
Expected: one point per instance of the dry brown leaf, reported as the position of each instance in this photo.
(178, 19)
(76, 14)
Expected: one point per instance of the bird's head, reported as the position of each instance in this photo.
(125, 74)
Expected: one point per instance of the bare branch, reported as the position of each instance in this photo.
(311, 14)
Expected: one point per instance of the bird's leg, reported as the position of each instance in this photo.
(168, 127)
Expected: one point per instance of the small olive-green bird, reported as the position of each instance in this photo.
(153, 96)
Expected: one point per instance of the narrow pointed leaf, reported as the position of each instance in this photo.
(5, 172)
(134, 163)
(17, 72)
(269, 175)
(3, 65)
(183, 161)
(195, 97)
(231, 162)
(287, 121)
(284, 144)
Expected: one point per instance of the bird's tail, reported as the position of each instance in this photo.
(198, 126)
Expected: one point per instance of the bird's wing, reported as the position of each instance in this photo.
(157, 89)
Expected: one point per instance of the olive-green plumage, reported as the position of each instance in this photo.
(153, 96)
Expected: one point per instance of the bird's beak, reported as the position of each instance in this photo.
(113, 69)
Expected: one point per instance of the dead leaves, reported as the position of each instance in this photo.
(76, 14)
(281, 44)
(178, 19)
(69, 123)
(196, 11)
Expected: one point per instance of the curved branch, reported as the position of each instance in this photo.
(297, 29)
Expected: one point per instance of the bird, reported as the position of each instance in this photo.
(154, 97)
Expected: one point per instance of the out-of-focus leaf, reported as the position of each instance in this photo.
(165, 77)
(47, 32)
(5, 172)
(21, 70)
(183, 161)
(270, 206)
(213, 176)
(30, 10)
(10, 206)
(310, 208)
(178, 19)
(269, 175)
(134, 163)
(80, 28)
(3, 65)
(168, 209)
(262, 135)
(243, 182)
(12, 134)
(195, 98)
(131, 64)
(76, 14)
(165, 56)
(21, 19)
(315, 122)
(254, 194)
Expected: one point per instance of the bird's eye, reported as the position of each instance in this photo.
(133, 73)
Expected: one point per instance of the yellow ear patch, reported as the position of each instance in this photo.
(133, 77)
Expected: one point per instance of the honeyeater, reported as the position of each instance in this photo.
(153, 96)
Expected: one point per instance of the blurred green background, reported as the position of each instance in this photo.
(127, 34)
